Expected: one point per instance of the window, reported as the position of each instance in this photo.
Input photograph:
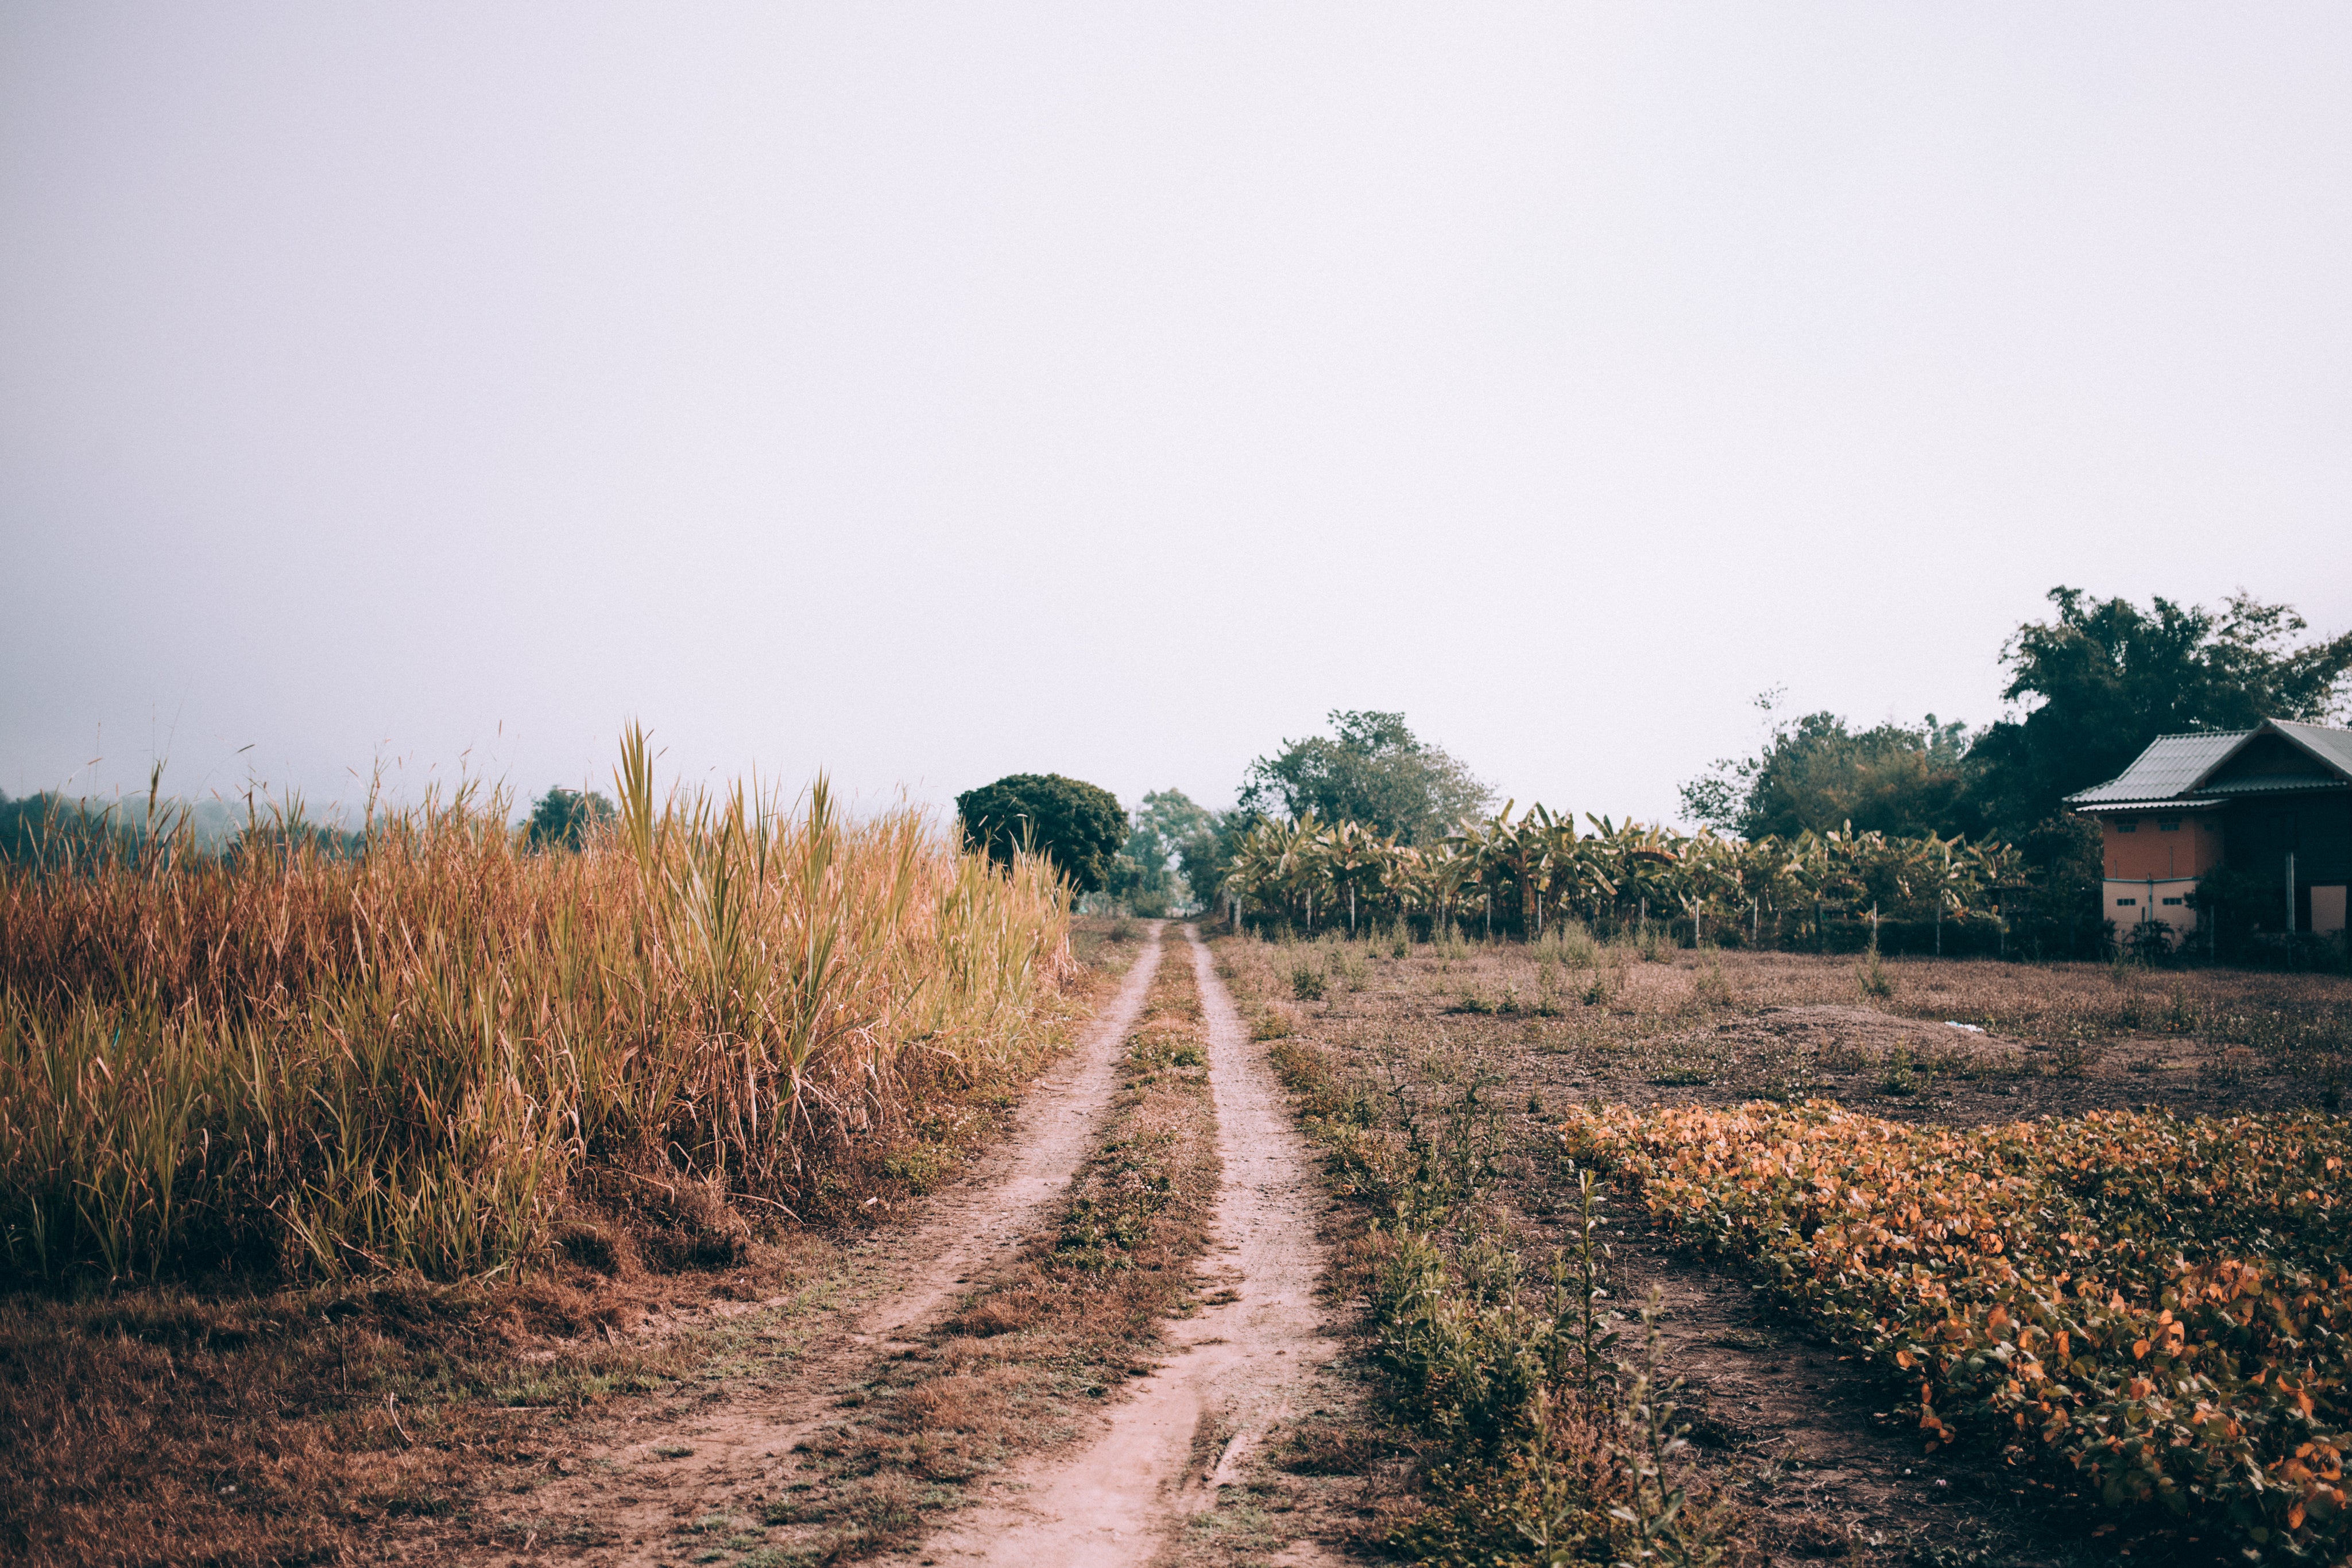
(2168, 824)
(2120, 902)
(2171, 902)
(2127, 826)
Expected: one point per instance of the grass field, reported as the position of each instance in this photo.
(441, 1054)
(325, 1182)
(1462, 1094)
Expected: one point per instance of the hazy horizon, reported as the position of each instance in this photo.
(929, 395)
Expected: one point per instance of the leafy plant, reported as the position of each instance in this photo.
(2157, 1307)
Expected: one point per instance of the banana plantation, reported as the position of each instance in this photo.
(1503, 875)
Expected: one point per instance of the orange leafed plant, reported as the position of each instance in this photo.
(2158, 1303)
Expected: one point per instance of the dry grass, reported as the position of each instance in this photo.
(1056, 1330)
(171, 1424)
(162, 1427)
(422, 1057)
(327, 1182)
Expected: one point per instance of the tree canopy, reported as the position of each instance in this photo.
(1372, 769)
(1148, 871)
(2106, 677)
(1815, 772)
(2100, 679)
(562, 818)
(1079, 826)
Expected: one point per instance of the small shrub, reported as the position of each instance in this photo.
(1272, 1024)
(1307, 983)
(1570, 943)
(1871, 976)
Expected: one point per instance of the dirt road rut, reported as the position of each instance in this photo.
(1240, 1362)
(725, 1453)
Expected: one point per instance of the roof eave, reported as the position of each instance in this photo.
(2153, 803)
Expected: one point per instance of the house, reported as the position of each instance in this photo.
(2275, 799)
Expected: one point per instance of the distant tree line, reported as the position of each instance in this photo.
(54, 830)
(2100, 679)
(50, 829)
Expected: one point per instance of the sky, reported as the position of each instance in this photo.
(924, 393)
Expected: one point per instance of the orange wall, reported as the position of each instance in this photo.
(2191, 850)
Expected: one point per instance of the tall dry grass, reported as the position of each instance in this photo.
(417, 1056)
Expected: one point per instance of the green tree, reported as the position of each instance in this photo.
(1148, 871)
(1205, 852)
(562, 818)
(2104, 677)
(1079, 826)
(1817, 773)
(1371, 770)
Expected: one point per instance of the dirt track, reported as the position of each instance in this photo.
(631, 1498)
(1241, 1360)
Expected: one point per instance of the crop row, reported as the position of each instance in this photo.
(1540, 866)
(2157, 1305)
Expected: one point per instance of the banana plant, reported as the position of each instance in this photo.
(1351, 858)
(1708, 869)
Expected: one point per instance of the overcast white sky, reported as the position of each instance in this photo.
(929, 393)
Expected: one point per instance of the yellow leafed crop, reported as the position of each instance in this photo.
(2158, 1302)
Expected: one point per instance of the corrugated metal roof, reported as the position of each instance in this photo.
(2172, 802)
(2333, 746)
(2271, 784)
(2171, 764)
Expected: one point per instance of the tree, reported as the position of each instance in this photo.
(2106, 677)
(1817, 774)
(1373, 771)
(1148, 871)
(562, 818)
(1078, 826)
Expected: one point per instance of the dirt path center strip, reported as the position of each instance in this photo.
(1240, 1363)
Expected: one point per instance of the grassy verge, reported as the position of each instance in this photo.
(230, 1421)
(434, 1052)
(2153, 1308)
(1058, 1330)
(1541, 1437)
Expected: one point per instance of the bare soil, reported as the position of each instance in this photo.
(636, 1496)
(1806, 1443)
(1242, 1369)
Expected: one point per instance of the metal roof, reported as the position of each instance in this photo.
(2171, 764)
(2170, 802)
(2176, 766)
(2271, 784)
(2333, 746)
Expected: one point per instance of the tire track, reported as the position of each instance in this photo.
(911, 1275)
(1241, 1360)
